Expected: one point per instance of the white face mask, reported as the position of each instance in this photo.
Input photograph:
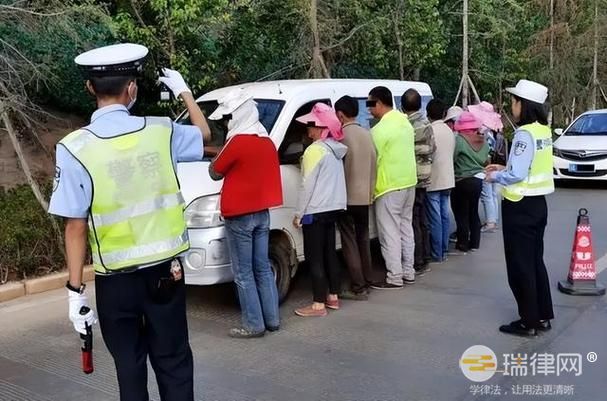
(132, 102)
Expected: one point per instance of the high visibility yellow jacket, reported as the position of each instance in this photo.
(136, 214)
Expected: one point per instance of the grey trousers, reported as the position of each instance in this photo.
(394, 214)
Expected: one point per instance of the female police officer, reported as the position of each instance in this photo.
(526, 180)
(115, 178)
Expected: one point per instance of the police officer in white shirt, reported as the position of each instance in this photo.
(116, 183)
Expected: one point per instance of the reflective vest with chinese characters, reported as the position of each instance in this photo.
(540, 180)
(136, 214)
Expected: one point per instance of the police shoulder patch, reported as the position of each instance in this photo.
(57, 178)
(519, 148)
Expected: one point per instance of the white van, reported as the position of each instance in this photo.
(279, 103)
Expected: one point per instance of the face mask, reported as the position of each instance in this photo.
(132, 102)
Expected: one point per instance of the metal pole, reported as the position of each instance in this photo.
(551, 34)
(595, 78)
(465, 83)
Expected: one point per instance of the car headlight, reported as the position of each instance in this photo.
(204, 213)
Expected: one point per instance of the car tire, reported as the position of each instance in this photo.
(281, 266)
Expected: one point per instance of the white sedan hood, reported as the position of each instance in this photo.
(582, 142)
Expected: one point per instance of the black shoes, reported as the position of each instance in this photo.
(517, 328)
(421, 270)
(354, 296)
(386, 286)
(544, 325)
(239, 332)
(273, 328)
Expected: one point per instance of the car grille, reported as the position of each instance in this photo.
(598, 173)
(583, 155)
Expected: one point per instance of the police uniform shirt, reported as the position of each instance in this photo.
(72, 189)
(519, 161)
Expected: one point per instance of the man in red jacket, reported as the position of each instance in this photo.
(249, 165)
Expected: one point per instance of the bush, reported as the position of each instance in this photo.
(28, 244)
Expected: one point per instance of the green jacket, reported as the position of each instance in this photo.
(394, 141)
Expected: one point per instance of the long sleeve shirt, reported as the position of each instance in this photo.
(519, 161)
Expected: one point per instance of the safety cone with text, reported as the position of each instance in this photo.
(581, 279)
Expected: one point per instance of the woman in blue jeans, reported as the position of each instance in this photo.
(249, 165)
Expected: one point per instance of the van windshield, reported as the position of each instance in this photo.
(268, 114)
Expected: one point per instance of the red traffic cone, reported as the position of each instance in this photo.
(582, 270)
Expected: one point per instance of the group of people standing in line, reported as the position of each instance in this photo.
(116, 187)
(412, 167)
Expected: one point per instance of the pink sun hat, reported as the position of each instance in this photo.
(467, 122)
(485, 113)
(323, 116)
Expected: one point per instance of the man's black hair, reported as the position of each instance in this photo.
(411, 101)
(532, 112)
(347, 105)
(382, 94)
(436, 109)
(110, 85)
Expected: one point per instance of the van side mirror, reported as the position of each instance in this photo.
(558, 131)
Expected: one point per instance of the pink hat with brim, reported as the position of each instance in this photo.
(323, 116)
(487, 116)
(467, 122)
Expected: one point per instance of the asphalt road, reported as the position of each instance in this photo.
(400, 345)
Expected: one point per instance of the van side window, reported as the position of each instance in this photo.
(364, 118)
(296, 140)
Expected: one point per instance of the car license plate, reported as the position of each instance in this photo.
(581, 168)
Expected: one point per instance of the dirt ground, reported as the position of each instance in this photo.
(42, 163)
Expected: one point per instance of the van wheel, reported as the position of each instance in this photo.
(279, 261)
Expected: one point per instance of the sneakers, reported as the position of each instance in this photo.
(309, 311)
(354, 296)
(457, 252)
(544, 325)
(489, 228)
(240, 332)
(423, 270)
(409, 280)
(386, 286)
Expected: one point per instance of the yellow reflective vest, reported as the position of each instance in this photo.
(540, 180)
(394, 140)
(136, 214)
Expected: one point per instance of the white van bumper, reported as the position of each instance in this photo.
(208, 259)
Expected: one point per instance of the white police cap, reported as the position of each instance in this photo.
(120, 59)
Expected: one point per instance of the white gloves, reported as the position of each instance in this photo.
(76, 302)
(174, 81)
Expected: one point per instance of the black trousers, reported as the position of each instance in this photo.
(421, 230)
(464, 202)
(356, 248)
(523, 225)
(141, 314)
(319, 251)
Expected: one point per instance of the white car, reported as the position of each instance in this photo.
(580, 152)
(279, 103)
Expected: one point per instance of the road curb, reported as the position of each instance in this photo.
(13, 290)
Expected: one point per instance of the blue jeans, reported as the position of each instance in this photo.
(489, 198)
(248, 237)
(438, 218)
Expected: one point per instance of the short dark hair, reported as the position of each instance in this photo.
(382, 94)
(532, 112)
(347, 105)
(436, 109)
(411, 101)
(110, 85)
